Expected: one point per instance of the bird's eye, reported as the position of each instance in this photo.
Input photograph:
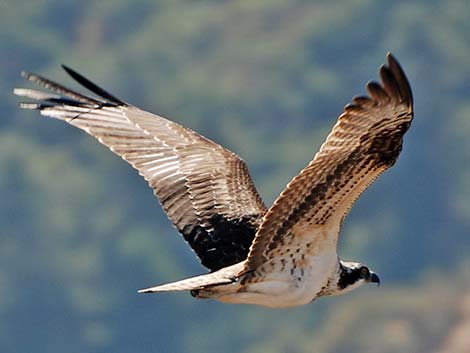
(364, 271)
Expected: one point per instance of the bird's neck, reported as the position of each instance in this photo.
(331, 286)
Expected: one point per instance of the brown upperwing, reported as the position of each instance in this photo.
(365, 141)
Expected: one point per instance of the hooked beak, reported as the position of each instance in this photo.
(374, 278)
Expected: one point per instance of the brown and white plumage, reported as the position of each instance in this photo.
(207, 192)
(205, 189)
(365, 141)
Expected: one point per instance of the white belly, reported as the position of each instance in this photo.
(286, 288)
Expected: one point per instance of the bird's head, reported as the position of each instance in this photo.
(352, 275)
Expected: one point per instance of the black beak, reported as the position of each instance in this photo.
(374, 278)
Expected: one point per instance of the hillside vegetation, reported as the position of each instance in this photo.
(81, 232)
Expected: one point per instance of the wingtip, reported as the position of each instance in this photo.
(376, 91)
(71, 72)
(392, 62)
(92, 86)
(68, 69)
(18, 91)
(25, 74)
(29, 106)
(402, 80)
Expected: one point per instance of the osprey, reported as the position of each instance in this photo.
(278, 257)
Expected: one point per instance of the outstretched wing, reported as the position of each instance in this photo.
(205, 189)
(365, 141)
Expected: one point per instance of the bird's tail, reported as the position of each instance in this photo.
(224, 276)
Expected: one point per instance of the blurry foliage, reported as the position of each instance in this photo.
(81, 232)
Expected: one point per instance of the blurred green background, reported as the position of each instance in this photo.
(81, 231)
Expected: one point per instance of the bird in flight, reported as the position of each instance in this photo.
(281, 256)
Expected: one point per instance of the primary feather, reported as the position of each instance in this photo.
(205, 189)
(283, 256)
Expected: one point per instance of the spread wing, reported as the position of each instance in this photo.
(205, 189)
(365, 141)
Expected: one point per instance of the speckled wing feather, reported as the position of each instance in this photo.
(205, 189)
(365, 141)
